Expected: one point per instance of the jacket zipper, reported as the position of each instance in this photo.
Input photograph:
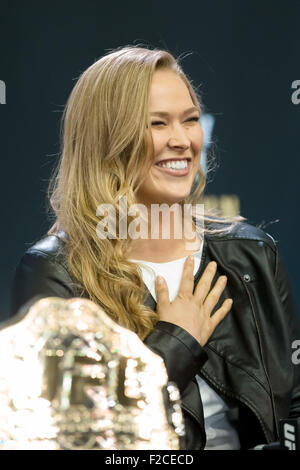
(262, 357)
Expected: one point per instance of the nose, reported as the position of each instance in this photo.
(178, 138)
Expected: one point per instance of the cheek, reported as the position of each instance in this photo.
(197, 138)
(159, 142)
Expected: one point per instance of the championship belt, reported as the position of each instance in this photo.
(72, 378)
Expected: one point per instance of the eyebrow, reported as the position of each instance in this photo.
(164, 113)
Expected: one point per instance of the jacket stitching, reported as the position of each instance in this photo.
(196, 418)
(221, 354)
(188, 409)
(230, 361)
(262, 355)
(243, 399)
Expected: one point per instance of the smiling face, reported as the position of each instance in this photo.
(177, 136)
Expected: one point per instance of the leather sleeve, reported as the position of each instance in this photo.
(37, 276)
(293, 324)
(181, 352)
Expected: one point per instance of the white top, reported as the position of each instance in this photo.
(220, 434)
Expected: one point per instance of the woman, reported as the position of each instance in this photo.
(223, 322)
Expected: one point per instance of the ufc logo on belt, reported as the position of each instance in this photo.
(289, 430)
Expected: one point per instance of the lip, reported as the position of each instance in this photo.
(177, 173)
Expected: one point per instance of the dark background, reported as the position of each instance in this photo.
(244, 56)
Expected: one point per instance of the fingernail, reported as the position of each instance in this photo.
(191, 258)
(159, 280)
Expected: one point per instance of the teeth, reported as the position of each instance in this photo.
(175, 165)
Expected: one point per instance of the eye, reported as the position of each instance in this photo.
(161, 123)
(157, 123)
(195, 119)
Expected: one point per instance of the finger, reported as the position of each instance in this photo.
(215, 294)
(187, 280)
(221, 313)
(162, 292)
(204, 284)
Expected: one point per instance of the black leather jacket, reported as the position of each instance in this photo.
(247, 360)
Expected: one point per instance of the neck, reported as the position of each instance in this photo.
(168, 238)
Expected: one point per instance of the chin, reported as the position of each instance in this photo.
(174, 199)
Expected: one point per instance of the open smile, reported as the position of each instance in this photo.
(175, 167)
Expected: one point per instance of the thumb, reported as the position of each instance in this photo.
(162, 291)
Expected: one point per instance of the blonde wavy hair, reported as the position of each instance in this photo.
(103, 151)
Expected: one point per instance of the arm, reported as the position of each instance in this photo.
(181, 352)
(186, 324)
